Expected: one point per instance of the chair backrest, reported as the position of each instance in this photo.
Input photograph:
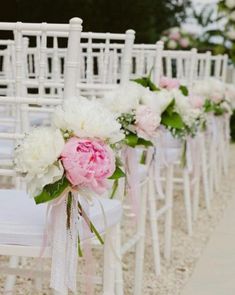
(32, 41)
(203, 66)
(219, 66)
(105, 61)
(143, 59)
(179, 64)
(24, 117)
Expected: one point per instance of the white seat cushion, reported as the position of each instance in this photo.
(22, 222)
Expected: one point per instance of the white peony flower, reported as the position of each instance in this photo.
(158, 101)
(87, 118)
(37, 157)
(172, 44)
(230, 3)
(125, 98)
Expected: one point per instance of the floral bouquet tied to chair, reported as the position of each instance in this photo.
(66, 165)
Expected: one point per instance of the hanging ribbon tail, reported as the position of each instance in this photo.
(86, 249)
(64, 245)
(132, 177)
(157, 159)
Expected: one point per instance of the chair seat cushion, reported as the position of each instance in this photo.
(22, 222)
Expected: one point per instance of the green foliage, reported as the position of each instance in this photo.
(147, 83)
(118, 173)
(172, 119)
(133, 140)
(52, 191)
(148, 18)
(210, 106)
(184, 90)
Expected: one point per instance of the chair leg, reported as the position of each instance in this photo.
(154, 226)
(196, 190)
(11, 279)
(168, 216)
(109, 263)
(187, 202)
(119, 271)
(140, 247)
(205, 175)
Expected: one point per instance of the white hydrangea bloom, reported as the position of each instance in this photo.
(37, 157)
(87, 118)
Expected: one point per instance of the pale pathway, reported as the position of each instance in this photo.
(214, 273)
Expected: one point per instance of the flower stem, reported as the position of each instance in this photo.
(89, 223)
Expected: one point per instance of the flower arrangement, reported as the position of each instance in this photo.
(65, 165)
(171, 100)
(177, 38)
(214, 96)
(74, 155)
(139, 122)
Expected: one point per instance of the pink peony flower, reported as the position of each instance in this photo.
(169, 83)
(184, 42)
(88, 163)
(174, 36)
(146, 122)
(196, 101)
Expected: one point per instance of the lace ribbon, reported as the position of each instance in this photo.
(64, 245)
(132, 177)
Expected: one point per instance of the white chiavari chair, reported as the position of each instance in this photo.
(105, 61)
(23, 242)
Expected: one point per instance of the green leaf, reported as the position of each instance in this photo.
(79, 247)
(208, 106)
(131, 139)
(52, 191)
(144, 142)
(114, 188)
(143, 158)
(146, 82)
(142, 81)
(184, 90)
(170, 118)
(68, 209)
(170, 108)
(174, 121)
(90, 224)
(118, 173)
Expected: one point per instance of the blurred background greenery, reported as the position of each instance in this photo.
(148, 17)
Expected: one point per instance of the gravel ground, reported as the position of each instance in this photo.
(185, 251)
